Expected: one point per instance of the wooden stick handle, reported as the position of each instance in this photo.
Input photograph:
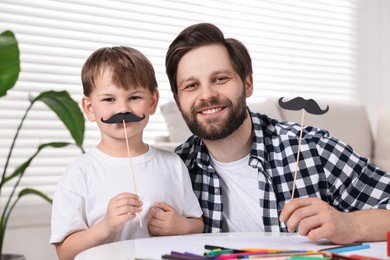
(298, 154)
(132, 169)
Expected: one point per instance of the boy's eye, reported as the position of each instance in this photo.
(108, 99)
(135, 98)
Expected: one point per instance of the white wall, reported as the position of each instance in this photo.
(374, 59)
(28, 233)
(31, 241)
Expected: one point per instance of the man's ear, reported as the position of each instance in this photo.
(154, 103)
(87, 107)
(248, 85)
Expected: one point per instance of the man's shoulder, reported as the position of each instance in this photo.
(187, 148)
(269, 125)
(272, 128)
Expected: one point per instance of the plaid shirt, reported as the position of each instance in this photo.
(328, 169)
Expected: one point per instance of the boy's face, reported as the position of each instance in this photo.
(211, 95)
(107, 99)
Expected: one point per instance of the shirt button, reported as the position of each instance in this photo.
(216, 190)
(215, 230)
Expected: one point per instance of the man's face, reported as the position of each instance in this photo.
(211, 95)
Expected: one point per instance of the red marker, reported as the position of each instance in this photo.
(388, 243)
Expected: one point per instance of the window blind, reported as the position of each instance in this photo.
(299, 48)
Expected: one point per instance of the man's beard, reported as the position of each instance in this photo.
(211, 129)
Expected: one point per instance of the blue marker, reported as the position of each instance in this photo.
(346, 248)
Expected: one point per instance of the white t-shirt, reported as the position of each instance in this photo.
(240, 196)
(83, 193)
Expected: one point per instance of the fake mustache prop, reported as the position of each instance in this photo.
(120, 117)
(299, 103)
(311, 107)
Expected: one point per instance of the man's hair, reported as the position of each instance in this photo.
(203, 34)
(129, 67)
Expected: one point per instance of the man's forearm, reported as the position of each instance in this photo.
(372, 225)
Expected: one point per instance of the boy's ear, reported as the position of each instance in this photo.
(87, 107)
(154, 103)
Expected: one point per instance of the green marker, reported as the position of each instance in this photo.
(218, 252)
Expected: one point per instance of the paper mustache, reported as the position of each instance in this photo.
(311, 107)
(299, 103)
(120, 117)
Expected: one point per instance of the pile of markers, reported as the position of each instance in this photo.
(223, 253)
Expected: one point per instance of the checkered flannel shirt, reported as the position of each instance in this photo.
(328, 169)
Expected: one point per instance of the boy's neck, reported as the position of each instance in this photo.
(119, 149)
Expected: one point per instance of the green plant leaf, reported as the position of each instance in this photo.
(67, 110)
(27, 191)
(22, 168)
(9, 61)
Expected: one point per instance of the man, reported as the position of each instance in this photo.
(242, 163)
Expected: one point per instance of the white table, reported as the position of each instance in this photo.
(155, 247)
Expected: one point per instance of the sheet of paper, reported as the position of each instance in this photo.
(154, 248)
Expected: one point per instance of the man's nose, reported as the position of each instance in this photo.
(207, 91)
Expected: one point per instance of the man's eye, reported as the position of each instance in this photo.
(221, 79)
(191, 86)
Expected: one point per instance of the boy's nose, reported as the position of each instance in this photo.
(123, 107)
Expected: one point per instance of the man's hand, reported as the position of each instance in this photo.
(163, 220)
(316, 219)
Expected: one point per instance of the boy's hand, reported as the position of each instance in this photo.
(120, 209)
(163, 220)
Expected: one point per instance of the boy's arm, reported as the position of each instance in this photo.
(79, 241)
(194, 225)
(164, 221)
(120, 209)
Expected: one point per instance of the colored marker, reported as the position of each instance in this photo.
(362, 257)
(310, 257)
(218, 252)
(346, 248)
(211, 247)
(188, 254)
(182, 256)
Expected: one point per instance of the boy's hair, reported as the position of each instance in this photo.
(130, 68)
(203, 34)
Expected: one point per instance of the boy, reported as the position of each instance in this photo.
(95, 202)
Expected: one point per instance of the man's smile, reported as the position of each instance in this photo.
(211, 111)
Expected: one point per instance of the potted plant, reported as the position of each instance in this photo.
(60, 102)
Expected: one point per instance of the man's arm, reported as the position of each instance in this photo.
(316, 219)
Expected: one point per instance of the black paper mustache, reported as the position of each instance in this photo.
(299, 103)
(119, 117)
